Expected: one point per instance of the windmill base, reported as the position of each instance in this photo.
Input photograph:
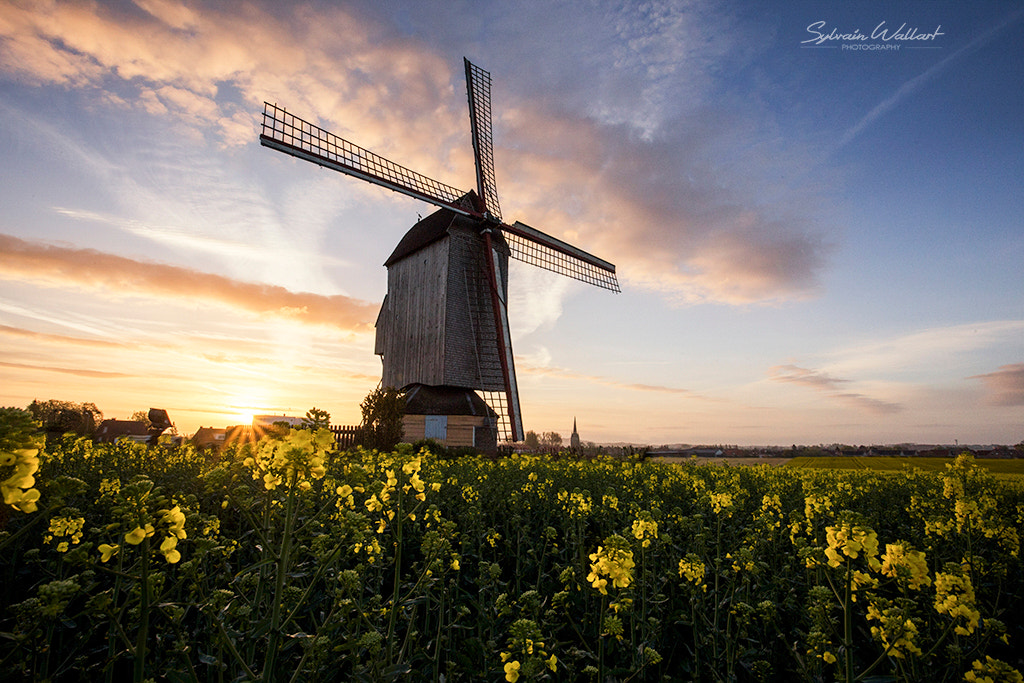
(452, 416)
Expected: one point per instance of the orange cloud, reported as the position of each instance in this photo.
(80, 372)
(119, 276)
(562, 373)
(657, 206)
(1005, 385)
(820, 381)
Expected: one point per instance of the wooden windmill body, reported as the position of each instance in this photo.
(443, 327)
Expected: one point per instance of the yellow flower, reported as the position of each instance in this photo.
(551, 662)
(898, 562)
(851, 541)
(692, 569)
(722, 502)
(954, 596)
(135, 536)
(169, 551)
(17, 489)
(107, 551)
(512, 671)
(644, 529)
(613, 561)
(455, 564)
(992, 671)
(828, 657)
(271, 481)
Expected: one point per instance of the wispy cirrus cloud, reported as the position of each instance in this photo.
(562, 373)
(79, 372)
(833, 387)
(1005, 386)
(120, 277)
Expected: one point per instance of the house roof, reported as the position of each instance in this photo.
(421, 399)
(110, 430)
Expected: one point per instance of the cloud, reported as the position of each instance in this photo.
(60, 338)
(639, 179)
(831, 386)
(80, 372)
(1005, 385)
(927, 349)
(562, 373)
(123, 277)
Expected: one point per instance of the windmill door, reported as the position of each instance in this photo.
(436, 427)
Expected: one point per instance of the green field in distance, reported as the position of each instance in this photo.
(883, 463)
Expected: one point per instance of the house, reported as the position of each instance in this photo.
(451, 416)
(110, 431)
(209, 437)
(265, 421)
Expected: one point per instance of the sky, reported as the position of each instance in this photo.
(815, 208)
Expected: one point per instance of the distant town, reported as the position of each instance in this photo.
(85, 419)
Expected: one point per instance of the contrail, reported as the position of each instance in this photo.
(914, 83)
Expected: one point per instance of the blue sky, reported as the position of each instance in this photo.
(817, 242)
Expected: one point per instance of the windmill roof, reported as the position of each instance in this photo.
(427, 231)
(421, 399)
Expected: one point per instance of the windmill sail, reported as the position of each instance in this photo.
(478, 86)
(544, 251)
(289, 134)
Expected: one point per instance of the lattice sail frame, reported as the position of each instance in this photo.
(290, 134)
(478, 89)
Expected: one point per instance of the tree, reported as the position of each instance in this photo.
(63, 417)
(316, 419)
(532, 441)
(551, 440)
(383, 409)
(143, 417)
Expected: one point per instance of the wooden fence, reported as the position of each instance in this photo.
(347, 436)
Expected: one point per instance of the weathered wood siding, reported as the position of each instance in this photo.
(436, 325)
(413, 334)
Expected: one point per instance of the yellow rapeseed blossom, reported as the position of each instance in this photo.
(68, 529)
(512, 671)
(899, 562)
(613, 561)
(18, 488)
(851, 541)
(107, 551)
(722, 502)
(992, 671)
(169, 550)
(954, 596)
(895, 631)
(692, 569)
(136, 535)
(645, 528)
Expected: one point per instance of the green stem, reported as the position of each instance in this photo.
(397, 580)
(848, 625)
(114, 623)
(283, 560)
(140, 642)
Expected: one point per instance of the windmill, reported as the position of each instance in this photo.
(444, 321)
